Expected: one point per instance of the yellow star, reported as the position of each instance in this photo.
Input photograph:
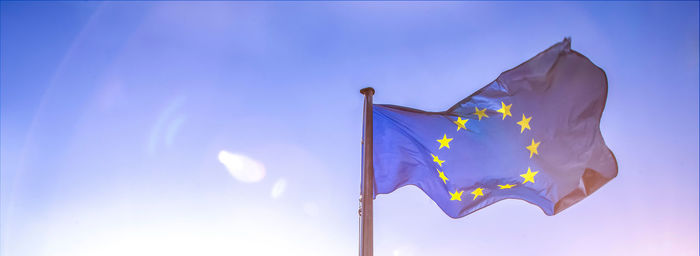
(529, 176)
(524, 124)
(533, 147)
(480, 113)
(478, 192)
(442, 176)
(505, 109)
(460, 123)
(506, 186)
(444, 142)
(457, 195)
(437, 160)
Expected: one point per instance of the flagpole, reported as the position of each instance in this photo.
(367, 196)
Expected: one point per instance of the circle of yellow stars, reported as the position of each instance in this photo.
(524, 123)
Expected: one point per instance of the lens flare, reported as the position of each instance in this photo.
(241, 167)
(278, 188)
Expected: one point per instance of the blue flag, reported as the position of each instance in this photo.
(532, 134)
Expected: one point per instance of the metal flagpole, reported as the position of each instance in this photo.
(367, 178)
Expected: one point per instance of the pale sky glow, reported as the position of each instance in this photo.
(234, 128)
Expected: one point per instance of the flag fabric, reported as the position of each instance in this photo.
(532, 134)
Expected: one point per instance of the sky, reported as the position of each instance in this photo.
(234, 128)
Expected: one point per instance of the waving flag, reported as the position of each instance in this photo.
(532, 134)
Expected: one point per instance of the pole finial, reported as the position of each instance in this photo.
(367, 90)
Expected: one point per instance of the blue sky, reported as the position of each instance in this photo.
(234, 128)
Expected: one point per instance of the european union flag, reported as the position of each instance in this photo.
(532, 134)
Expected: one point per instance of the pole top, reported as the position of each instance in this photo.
(367, 90)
